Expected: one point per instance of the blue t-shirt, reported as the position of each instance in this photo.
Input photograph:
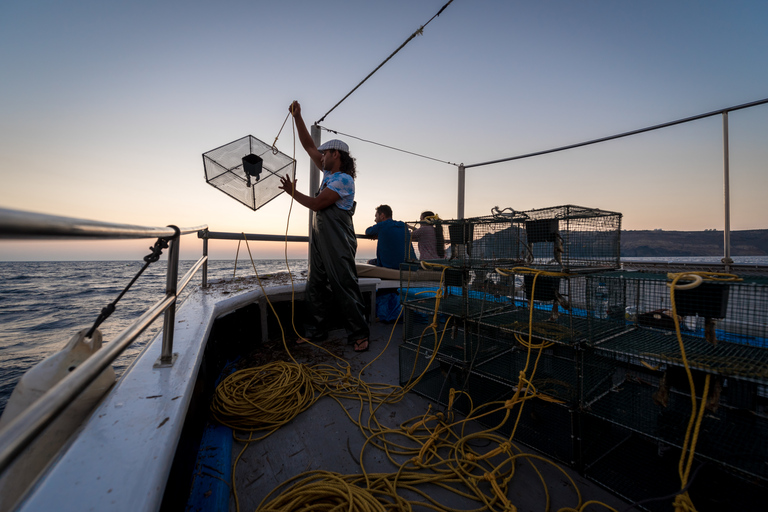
(343, 184)
(394, 245)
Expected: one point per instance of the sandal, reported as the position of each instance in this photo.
(360, 342)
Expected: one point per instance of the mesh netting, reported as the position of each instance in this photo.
(247, 170)
(610, 375)
(458, 341)
(573, 238)
(562, 238)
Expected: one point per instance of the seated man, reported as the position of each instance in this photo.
(394, 246)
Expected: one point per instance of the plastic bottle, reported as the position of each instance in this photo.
(601, 301)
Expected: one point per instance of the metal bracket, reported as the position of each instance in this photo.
(165, 364)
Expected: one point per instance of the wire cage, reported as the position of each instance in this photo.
(723, 324)
(463, 292)
(552, 309)
(542, 424)
(723, 330)
(247, 170)
(562, 238)
(570, 376)
(656, 402)
(433, 376)
(455, 339)
(572, 238)
(644, 470)
(481, 242)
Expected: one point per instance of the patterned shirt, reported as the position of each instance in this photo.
(343, 184)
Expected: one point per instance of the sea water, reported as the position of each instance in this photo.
(43, 303)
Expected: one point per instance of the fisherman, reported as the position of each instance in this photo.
(394, 239)
(332, 281)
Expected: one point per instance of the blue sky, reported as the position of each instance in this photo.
(107, 108)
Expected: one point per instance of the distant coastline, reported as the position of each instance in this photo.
(659, 243)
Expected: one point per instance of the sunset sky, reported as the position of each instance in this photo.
(107, 107)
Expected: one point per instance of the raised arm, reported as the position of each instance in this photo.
(304, 137)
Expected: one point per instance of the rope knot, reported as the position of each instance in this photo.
(683, 503)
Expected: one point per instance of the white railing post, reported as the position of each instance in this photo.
(205, 265)
(167, 356)
(460, 202)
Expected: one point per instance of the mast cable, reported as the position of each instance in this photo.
(625, 134)
(418, 32)
(388, 147)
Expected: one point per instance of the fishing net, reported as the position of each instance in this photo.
(248, 170)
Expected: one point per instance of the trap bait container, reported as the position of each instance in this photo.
(248, 170)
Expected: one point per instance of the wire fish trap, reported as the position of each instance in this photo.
(484, 242)
(248, 170)
(572, 238)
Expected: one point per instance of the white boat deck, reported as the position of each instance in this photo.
(122, 457)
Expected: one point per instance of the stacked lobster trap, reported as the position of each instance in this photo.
(492, 272)
(709, 335)
(615, 351)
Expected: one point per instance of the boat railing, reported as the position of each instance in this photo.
(206, 235)
(220, 235)
(21, 225)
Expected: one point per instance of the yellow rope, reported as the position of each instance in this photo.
(430, 450)
(682, 501)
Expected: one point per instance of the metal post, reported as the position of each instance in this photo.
(314, 184)
(727, 197)
(205, 265)
(460, 202)
(167, 357)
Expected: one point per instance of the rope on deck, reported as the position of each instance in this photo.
(431, 449)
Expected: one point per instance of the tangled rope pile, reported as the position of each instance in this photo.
(434, 449)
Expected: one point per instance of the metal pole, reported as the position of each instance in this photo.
(169, 320)
(205, 265)
(314, 184)
(460, 202)
(727, 197)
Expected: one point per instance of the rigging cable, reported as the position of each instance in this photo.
(621, 135)
(418, 32)
(388, 147)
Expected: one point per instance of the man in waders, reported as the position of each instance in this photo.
(332, 280)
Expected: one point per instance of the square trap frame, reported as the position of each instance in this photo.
(247, 170)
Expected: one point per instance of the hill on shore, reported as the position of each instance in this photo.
(649, 243)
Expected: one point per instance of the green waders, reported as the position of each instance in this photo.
(332, 281)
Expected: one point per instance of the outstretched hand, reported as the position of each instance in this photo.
(288, 185)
